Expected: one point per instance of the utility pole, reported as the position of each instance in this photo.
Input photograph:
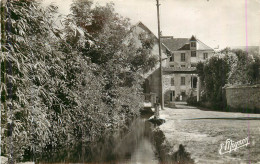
(160, 54)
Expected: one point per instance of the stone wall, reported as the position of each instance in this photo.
(153, 82)
(245, 97)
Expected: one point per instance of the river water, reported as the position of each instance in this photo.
(143, 154)
(134, 147)
(138, 144)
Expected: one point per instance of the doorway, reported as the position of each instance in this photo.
(172, 96)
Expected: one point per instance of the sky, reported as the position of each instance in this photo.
(215, 22)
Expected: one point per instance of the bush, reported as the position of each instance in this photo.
(192, 100)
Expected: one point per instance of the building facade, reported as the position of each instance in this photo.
(180, 57)
(180, 78)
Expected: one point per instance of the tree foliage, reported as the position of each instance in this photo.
(245, 68)
(70, 85)
(214, 76)
(227, 68)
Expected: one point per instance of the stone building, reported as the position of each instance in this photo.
(180, 79)
(179, 74)
(180, 57)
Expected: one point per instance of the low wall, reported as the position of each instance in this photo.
(243, 97)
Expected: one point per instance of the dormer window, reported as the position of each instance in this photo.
(193, 44)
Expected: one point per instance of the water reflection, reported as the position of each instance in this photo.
(135, 146)
(138, 141)
(143, 154)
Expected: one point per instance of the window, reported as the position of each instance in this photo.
(172, 57)
(172, 95)
(194, 81)
(193, 44)
(182, 80)
(205, 55)
(193, 53)
(182, 65)
(172, 81)
(182, 57)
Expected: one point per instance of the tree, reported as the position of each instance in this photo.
(228, 67)
(26, 28)
(244, 68)
(214, 76)
(72, 86)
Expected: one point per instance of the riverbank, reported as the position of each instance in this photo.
(202, 132)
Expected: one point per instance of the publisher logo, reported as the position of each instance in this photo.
(230, 145)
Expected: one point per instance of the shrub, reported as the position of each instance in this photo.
(192, 100)
(214, 75)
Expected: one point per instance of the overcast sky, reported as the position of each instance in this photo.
(214, 22)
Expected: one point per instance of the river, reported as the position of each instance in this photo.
(143, 154)
(136, 146)
(139, 144)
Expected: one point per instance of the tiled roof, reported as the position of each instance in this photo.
(140, 24)
(144, 27)
(185, 47)
(174, 43)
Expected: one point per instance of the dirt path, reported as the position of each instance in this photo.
(202, 132)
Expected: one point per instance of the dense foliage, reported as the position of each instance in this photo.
(229, 67)
(214, 75)
(66, 85)
(244, 68)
